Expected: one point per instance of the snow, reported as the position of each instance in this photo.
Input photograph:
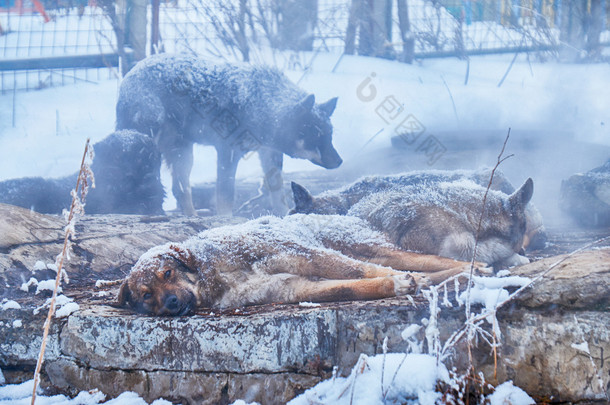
(17, 323)
(309, 304)
(583, 347)
(26, 286)
(9, 304)
(490, 291)
(21, 394)
(242, 402)
(47, 285)
(61, 301)
(67, 310)
(39, 265)
(405, 377)
(508, 394)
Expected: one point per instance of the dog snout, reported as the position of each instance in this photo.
(171, 302)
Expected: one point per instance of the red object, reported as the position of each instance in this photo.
(19, 8)
(40, 8)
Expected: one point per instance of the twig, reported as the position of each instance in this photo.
(470, 324)
(385, 351)
(476, 242)
(510, 66)
(451, 97)
(75, 208)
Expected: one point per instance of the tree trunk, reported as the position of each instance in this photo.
(297, 24)
(572, 33)
(406, 36)
(353, 22)
(242, 39)
(594, 29)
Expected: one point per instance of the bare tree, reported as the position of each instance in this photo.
(230, 20)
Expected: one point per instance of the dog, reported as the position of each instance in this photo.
(434, 213)
(126, 167)
(181, 100)
(585, 197)
(278, 260)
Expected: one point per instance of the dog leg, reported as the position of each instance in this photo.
(271, 197)
(326, 265)
(181, 187)
(179, 156)
(346, 290)
(226, 166)
(272, 163)
(407, 261)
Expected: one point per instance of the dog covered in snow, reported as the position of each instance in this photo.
(434, 213)
(126, 168)
(181, 100)
(278, 260)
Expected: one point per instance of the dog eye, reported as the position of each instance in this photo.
(147, 295)
(167, 274)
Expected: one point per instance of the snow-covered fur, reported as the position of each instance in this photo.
(126, 169)
(270, 259)
(181, 100)
(434, 213)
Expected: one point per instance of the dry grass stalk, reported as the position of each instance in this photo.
(470, 330)
(75, 208)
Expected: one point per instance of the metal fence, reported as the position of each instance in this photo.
(50, 42)
(36, 47)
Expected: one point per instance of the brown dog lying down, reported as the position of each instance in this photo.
(272, 260)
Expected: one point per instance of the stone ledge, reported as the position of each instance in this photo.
(536, 352)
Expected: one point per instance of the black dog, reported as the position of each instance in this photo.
(126, 168)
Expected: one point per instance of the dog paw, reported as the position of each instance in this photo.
(483, 270)
(408, 283)
(480, 269)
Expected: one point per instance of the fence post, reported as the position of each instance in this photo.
(136, 29)
(154, 29)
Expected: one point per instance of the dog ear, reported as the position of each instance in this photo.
(303, 201)
(184, 256)
(308, 102)
(329, 107)
(519, 199)
(124, 294)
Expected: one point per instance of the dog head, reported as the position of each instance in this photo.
(164, 281)
(127, 167)
(311, 133)
(305, 203)
(504, 230)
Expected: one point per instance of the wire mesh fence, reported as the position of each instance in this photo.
(61, 30)
(251, 30)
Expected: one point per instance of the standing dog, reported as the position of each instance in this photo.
(126, 168)
(271, 259)
(182, 100)
(425, 213)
